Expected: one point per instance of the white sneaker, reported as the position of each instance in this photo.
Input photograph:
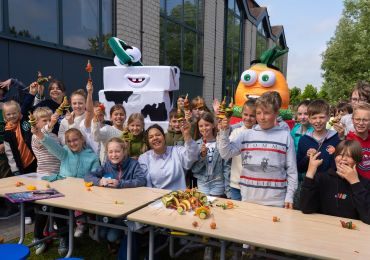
(28, 220)
(79, 230)
(39, 248)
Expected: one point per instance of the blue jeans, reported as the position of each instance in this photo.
(235, 194)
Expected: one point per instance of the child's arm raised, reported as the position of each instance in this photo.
(226, 148)
(190, 151)
(89, 105)
(310, 192)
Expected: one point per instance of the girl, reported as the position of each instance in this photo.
(135, 125)
(165, 166)
(73, 119)
(303, 125)
(198, 107)
(75, 161)
(57, 92)
(102, 133)
(248, 121)
(211, 171)
(119, 171)
(339, 191)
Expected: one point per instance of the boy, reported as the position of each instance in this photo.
(174, 135)
(361, 120)
(319, 140)
(269, 174)
(303, 125)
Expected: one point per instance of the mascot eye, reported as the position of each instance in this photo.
(134, 53)
(267, 78)
(249, 77)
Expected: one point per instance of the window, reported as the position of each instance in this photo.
(261, 40)
(36, 20)
(80, 24)
(1, 16)
(234, 46)
(181, 34)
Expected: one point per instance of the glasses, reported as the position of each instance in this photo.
(360, 120)
(358, 99)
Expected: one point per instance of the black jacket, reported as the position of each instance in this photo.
(329, 194)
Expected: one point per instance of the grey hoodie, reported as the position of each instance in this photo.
(269, 169)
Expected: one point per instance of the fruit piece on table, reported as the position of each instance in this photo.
(31, 187)
(212, 225)
(195, 224)
(275, 219)
(19, 183)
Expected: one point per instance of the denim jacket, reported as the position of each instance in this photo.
(220, 168)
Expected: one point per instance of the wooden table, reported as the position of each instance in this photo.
(115, 203)
(311, 235)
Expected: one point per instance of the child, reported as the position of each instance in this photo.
(46, 164)
(45, 120)
(339, 190)
(248, 120)
(73, 119)
(174, 135)
(303, 125)
(136, 142)
(198, 107)
(361, 93)
(180, 102)
(119, 171)
(342, 109)
(17, 140)
(269, 174)
(211, 171)
(102, 133)
(75, 161)
(320, 140)
(361, 119)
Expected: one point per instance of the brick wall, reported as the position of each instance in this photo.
(128, 27)
(213, 53)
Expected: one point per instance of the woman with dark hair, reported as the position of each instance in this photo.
(165, 165)
(339, 191)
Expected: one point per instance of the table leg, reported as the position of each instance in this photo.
(22, 225)
(70, 233)
(151, 243)
(129, 243)
(223, 250)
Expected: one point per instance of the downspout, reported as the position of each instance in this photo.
(214, 55)
(141, 29)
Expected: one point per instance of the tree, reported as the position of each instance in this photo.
(346, 59)
(295, 96)
(309, 92)
(323, 94)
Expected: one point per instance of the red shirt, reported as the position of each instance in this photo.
(363, 168)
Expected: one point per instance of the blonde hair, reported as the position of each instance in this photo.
(270, 99)
(41, 112)
(9, 104)
(136, 116)
(74, 131)
(122, 143)
(361, 106)
(79, 92)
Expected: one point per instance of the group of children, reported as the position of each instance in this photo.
(258, 160)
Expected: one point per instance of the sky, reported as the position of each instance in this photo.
(308, 26)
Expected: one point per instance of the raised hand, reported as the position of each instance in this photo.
(6, 83)
(348, 173)
(313, 165)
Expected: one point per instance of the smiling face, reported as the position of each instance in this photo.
(258, 80)
(206, 129)
(318, 122)
(361, 121)
(42, 121)
(345, 158)
(116, 153)
(56, 93)
(78, 104)
(118, 117)
(74, 141)
(156, 140)
(249, 117)
(175, 124)
(136, 127)
(11, 113)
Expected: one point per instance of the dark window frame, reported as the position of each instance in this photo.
(233, 83)
(261, 34)
(199, 35)
(59, 45)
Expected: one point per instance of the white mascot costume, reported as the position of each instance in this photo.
(140, 89)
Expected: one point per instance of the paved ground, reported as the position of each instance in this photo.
(9, 229)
